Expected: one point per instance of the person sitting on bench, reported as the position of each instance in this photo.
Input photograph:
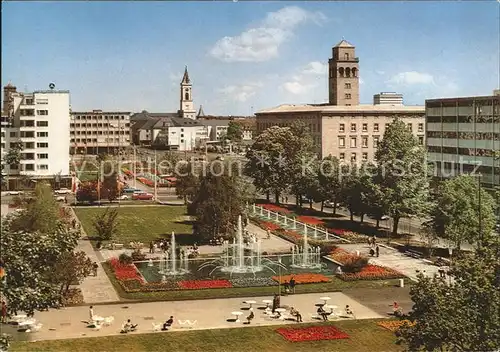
(322, 313)
(128, 327)
(250, 317)
(295, 313)
(348, 311)
(168, 323)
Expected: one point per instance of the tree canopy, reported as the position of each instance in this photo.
(234, 132)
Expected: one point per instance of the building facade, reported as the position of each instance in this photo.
(98, 131)
(343, 128)
(463, 135)
(350, 133)
(39, 122)
(186, 104)
(388, 98)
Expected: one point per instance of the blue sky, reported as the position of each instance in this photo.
(245, 56)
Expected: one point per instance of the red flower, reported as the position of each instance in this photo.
(275, 208)
(310, 220)
(202, 284)
(338, 232)
(305, 278)
(269, 225)
(373, 272)
(313, 333)
(125, 271)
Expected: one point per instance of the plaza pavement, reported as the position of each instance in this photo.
(391, 258)
(209, 314)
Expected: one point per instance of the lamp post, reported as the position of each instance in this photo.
(279, 282)
(450, 253)
(155, 177)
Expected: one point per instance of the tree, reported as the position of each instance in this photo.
(29, 259)
(330, 181)
(463, 316)
(13, 155)
(402, 174)
(87, 192)
(234, 132)
(458, 215)
(42, 212)
(106, 224)
(110, 188)
(267, 161)
(71, 268)
(217, 205)
(187, 182)
(356, 190)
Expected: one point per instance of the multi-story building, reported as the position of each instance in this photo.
(39, 122)
(99, 131)
(343, 128)
(462, 136)
(388, 98)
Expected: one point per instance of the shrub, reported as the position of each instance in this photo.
(137, 255)
(125, 259)
(354, 264)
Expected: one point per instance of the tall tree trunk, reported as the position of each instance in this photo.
(378, 223)
(362, 217)
(268, 196)
(322, 205)
(351, 214)
(277, 196)
(310, 204)
(335, 207)
(395, 226)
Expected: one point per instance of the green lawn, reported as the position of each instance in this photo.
(365, 336)
(175, 295)
(140, 223)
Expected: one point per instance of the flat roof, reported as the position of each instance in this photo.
(481, 97)
(343, 108)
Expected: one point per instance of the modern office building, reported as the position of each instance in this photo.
(343, 128)
(388, 98)
(39, 122)
(463, 135)
(99, 131)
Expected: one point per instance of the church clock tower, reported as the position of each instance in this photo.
(186, 108)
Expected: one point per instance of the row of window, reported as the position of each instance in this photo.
(99, 117)
(98, 132)
(77, 125)
(464, 119)
(31, 112)
(29, 134)
(31, 167)
(31, 145)
(488, 136)
(31, 156)
(94, 140)
(364, 127)
(313, 127)
(31, 123)
(462, 167)
(461, 151)
(364, 141)
(364, 157)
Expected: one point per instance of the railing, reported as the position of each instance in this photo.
(317, 232)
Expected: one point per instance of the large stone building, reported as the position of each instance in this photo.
(98, 131)
(343, 128)
(39, 122)
(463, 135)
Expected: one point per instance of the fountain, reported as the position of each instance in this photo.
(306, 257)
(170, 264)
(234, 260)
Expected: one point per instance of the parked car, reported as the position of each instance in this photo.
(60, 198)
(329, 204)
(142, 196)
(132, 190)
(14, 193)
(123, 197)
(62, 191)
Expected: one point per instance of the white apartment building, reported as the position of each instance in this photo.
(177, 133)
(388, 98)
(99, 131)
(40, 122)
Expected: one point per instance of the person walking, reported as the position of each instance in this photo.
(292, 284)
(377, 250)
(152, 247)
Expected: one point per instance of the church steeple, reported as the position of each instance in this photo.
(185, 78)
(186, 108)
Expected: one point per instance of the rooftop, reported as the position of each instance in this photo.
(344, 44)
(324, 108)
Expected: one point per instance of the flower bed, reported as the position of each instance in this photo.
(340, 255)
(275, 208)
(310, 220)
(125, 271)
(289, 235)
(269, 225)
(306, 278)
(372, 272)
(253, 282)
(203, 284)
(313, 333)
(394, 325)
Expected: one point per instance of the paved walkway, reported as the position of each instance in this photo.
(208, 314)
(391, 258)
(95, 289)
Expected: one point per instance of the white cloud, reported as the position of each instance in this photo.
(316, 68)
(297, 87)
(262, 43)
(240, 93)
(411, 77)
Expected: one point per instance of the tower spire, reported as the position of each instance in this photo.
(185, 78)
